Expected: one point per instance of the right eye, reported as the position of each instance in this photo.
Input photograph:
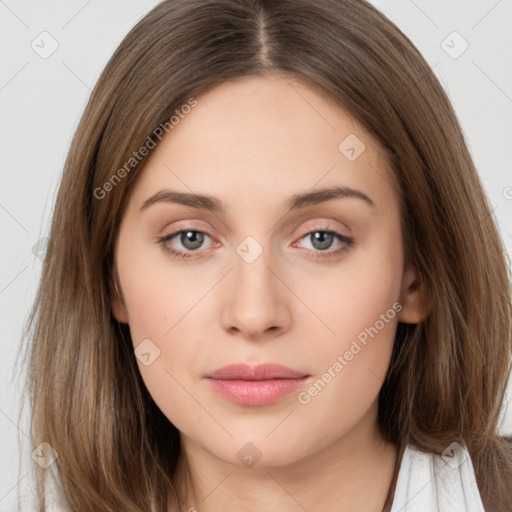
(190, 239)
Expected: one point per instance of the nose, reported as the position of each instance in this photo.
(257, 304)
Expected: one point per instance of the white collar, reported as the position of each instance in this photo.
(428, 482)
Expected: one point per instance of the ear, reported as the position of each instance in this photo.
(119, 310)
(415, 307)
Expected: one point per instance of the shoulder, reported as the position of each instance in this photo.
(445, 482)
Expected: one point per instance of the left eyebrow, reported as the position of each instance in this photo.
(296, 201)
(326, 194)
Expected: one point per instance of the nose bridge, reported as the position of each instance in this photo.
(255, 301)
(252, 266)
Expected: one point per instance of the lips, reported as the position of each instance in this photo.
(256, 385)
(261, 372)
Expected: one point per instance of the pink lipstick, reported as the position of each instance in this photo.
(256, 385)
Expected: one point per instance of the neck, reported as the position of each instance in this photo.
(355, 473)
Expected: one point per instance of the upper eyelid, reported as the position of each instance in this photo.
(208, 232)
(320, 226)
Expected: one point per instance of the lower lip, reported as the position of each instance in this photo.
(256, 392)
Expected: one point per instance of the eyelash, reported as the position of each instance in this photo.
(347, 242)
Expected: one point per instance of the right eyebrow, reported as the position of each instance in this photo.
(193, 200)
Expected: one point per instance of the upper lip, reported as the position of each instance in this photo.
(242, 371)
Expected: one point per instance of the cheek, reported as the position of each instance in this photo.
(359, 304)
(351, 367)
(157, 294)
(161, 320)
(162, 303)
(354, 295)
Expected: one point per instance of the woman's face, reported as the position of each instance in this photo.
(315, 284)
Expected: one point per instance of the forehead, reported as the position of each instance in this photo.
(261, 138)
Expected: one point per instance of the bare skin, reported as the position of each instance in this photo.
(301, 302)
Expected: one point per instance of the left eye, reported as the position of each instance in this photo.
(322, 240)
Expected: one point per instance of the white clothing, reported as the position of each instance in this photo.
(428, 482)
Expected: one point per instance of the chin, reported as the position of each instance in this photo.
(257, 451)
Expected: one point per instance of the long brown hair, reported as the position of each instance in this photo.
(448, 375)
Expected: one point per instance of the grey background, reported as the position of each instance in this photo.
(41, 100)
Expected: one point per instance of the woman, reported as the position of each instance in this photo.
(197, 346)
